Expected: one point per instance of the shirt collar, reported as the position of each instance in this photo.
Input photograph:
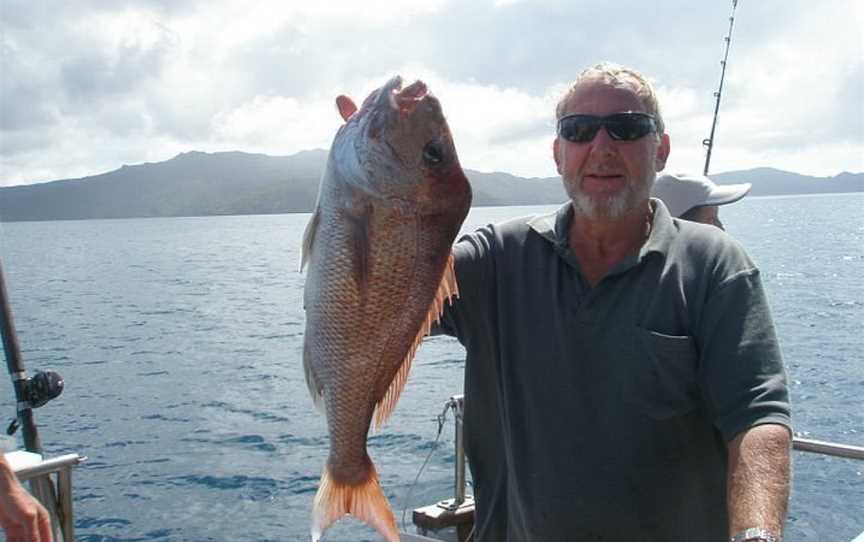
(554, 227)
(663, 230)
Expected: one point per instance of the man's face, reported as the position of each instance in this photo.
(707, 214)
(606, 178)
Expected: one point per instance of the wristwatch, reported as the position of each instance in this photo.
(754, 534)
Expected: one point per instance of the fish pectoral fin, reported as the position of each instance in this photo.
(315, 389)
(309, 238)
(447, 290)
(365, 502)
(358, 226)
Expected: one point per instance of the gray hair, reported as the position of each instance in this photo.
(622, 77)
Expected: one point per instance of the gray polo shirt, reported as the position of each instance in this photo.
(602, 413)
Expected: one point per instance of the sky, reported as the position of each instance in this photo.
(88, 86)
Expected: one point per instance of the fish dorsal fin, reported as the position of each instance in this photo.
(447, 290)
(346, 107)
(309, 238)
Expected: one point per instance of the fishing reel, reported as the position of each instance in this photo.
(38, 390)
(42, 387)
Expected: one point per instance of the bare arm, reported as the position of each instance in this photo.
(758, 479)
(21, 516)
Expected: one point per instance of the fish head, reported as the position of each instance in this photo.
(398, 146)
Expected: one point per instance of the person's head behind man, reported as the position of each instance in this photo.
(611, 141)
(696, 197)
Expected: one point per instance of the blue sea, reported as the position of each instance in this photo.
(180, 343)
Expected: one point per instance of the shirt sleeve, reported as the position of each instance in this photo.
(741, 367)
(473, 266)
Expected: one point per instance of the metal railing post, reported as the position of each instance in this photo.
(64, 495)
(459, 491)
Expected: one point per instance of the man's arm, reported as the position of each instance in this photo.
(21, 516)
(758, 478)
(472, 276)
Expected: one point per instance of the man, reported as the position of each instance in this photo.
(623, 380)
(696, 197)
(21, 516)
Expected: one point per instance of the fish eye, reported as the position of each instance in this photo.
(433, 153)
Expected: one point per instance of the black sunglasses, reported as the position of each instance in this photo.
(628, 126)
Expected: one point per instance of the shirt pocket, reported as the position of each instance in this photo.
(664, 383)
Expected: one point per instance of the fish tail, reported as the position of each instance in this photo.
(364, 501)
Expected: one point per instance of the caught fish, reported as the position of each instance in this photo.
(391, 201)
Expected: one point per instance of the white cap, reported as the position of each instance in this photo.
(683, 191)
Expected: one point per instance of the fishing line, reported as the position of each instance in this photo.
(441, 418)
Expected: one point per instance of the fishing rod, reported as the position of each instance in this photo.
(30, 392)
(709, 143)
(33, 392)
(798, 443)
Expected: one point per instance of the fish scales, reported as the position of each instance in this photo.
(391, 202)
(376, 334)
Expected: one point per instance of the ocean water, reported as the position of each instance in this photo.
(180, 343)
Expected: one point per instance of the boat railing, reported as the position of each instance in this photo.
(459, 510)
(827, 448)
(54, 493)
(457, 404)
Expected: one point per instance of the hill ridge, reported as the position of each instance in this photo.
(199, 183)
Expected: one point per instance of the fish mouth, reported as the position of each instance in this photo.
(392, 104)
(402, 100)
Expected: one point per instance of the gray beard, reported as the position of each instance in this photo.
(630, 198)
(593, 209)
(614, 208)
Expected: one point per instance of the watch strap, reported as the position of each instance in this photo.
(754, 534)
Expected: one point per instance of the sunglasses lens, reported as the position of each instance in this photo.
(629, 126)
(620, 126)
(579, 128)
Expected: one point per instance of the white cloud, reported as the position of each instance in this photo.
(131, 28)
(277, 125)
(501, 129)
(494, 128)
(90, 86)
(793, 96)
(222, 26)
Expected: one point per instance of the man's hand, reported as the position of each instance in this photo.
(21, 516)
(758, 479)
